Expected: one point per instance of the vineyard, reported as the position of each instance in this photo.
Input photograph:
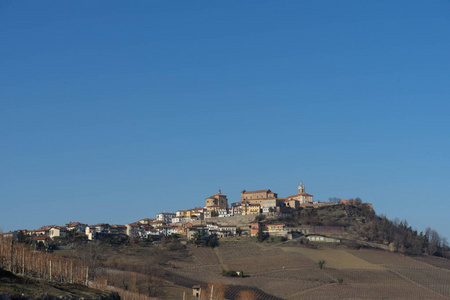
(434, 279)
(368, 291)
(439, 262)
(21, 259)
(381, 257)
(291, 271)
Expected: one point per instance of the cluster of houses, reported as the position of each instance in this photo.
(144, 228)
(182, 221)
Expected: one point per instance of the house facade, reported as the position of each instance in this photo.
(57, 231)
(236, 209)
(165, 217)
(77, 226)
(250, 209)
(92, 230)
(254, 227)
(133, 230)
(257, 197)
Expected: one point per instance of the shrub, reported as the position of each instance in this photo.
(321, 264)
(261, 236)
(231, 273)
(260, 217)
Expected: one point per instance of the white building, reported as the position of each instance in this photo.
(57, 231)
(165, 217)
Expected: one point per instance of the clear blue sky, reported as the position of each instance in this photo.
(114, 111)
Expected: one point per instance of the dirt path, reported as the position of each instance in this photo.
(219, 258)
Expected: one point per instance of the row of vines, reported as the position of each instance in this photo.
(21, 259)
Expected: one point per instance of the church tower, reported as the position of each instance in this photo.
(301, 188)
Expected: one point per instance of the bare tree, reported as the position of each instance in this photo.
(334, 200)
(92, 254)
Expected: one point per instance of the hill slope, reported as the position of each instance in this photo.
(24, 287)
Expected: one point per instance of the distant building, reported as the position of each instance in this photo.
(302, 197)
(10, 234)
(223, 212)
(118, 229)
(133, 230)
(275, 227)
(217, 202)
(93, 230)
(57, 231)
(40, 239)
(236, 209)
(292, 203)
(178, 219)
(196, 291)
(270, 204)
(77, 226)
(165, 217)
(254, 227)
(250, 209)
(43, 231)
(272, 229)
(322, 238)
(146, 221)
(257, 197)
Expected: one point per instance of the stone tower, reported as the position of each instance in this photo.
(301, 188)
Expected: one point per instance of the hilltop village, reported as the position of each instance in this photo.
(216, 218)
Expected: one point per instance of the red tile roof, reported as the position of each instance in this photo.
(302, 194)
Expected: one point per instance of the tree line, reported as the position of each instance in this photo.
(398, 234)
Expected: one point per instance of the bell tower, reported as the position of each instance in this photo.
(301, 188)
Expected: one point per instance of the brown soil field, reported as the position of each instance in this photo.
(248, 257)
(338, 259)
(381, 257)
(368, 291)
(246, 249)
(435, 279)
(281, 288)
(351, 276)
(439, 262)
(313, 275)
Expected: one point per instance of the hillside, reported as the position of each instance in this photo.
(361, 224)
(291, 271)
(24, 287)
(273, 270)
(276, 268)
